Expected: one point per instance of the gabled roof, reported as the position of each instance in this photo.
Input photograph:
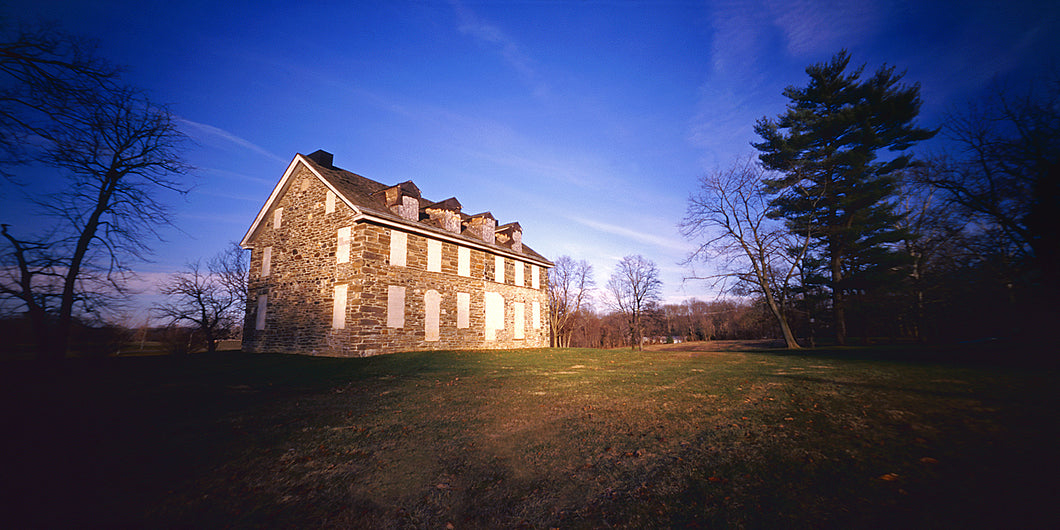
(367, 198)
(450, 204)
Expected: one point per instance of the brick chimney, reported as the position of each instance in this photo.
(483, 226)
(446, 213)
(404, 200)
(512, 235)
(322, 158)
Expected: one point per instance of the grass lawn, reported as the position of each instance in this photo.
(565, 438)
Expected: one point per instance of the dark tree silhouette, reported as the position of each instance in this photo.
(116, 151)
(44, 74)
(827, 145)
(212, 299)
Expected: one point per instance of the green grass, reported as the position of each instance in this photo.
(542, 438)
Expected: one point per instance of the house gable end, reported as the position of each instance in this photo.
(281, 188)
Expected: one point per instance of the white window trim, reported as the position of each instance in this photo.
(519, 320)
(463, 310)
(493, 307)
(338, 311)
(498, 269)
(399, 244)
(395, 306)
(463, 261)
(266, 262)
(432, 316)
(434, 255)
(329, 202)
(263, 304)
(277, 217)
(342, 249)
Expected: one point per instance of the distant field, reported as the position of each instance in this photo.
(538, 439)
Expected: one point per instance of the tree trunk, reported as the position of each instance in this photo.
(66, 308)
(785, 329)
(838, 300)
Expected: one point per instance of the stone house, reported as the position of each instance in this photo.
(343, 265)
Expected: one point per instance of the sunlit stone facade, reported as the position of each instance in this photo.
(353, 267)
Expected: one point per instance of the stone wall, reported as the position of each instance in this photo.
(304, 271)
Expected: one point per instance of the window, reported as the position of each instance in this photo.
(266, 261)
(519, 316)
(463, 261)
(342, 254)
(395, 306)
(535, 277)
(277, 217)
(536, 308)
(399, 243)
(432, 304)
(498, 269)
(263, 301)
(329, 202)
(338, 312)
(494, 308)
(519, 271)
(434, 255)
(463, 310)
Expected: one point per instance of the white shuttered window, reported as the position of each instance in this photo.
(342, 252)
(434, 255)
(338, 312)
(399, 244)
(266, 261)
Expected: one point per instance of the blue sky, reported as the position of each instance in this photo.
(586, 121)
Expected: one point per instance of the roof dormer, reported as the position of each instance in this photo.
(446, 214)
(482, 226)
(511, 235)
(404, 200)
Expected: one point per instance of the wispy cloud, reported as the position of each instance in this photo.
(495, 37)
(224, 173)
(204, 130)
(642, 237)
(813, 26)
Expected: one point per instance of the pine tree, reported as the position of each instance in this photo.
(834, 185)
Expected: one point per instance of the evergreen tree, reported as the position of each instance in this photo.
(834, 185)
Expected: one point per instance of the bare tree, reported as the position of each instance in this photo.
(212, 299)
(634, 289)
(117, 152)
(44, 73)
(932, 236)
(569, 290)
(1006, 175)
(728, 214)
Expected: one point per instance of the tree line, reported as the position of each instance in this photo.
(116, 155)
(838, 230)
(841, 232)
(628, 311)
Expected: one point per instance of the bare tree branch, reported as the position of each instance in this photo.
(63, 108)
(212, 298)
(634, 289)
(569, 290)
(729, 215)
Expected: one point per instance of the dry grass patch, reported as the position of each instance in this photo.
(542, 438)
